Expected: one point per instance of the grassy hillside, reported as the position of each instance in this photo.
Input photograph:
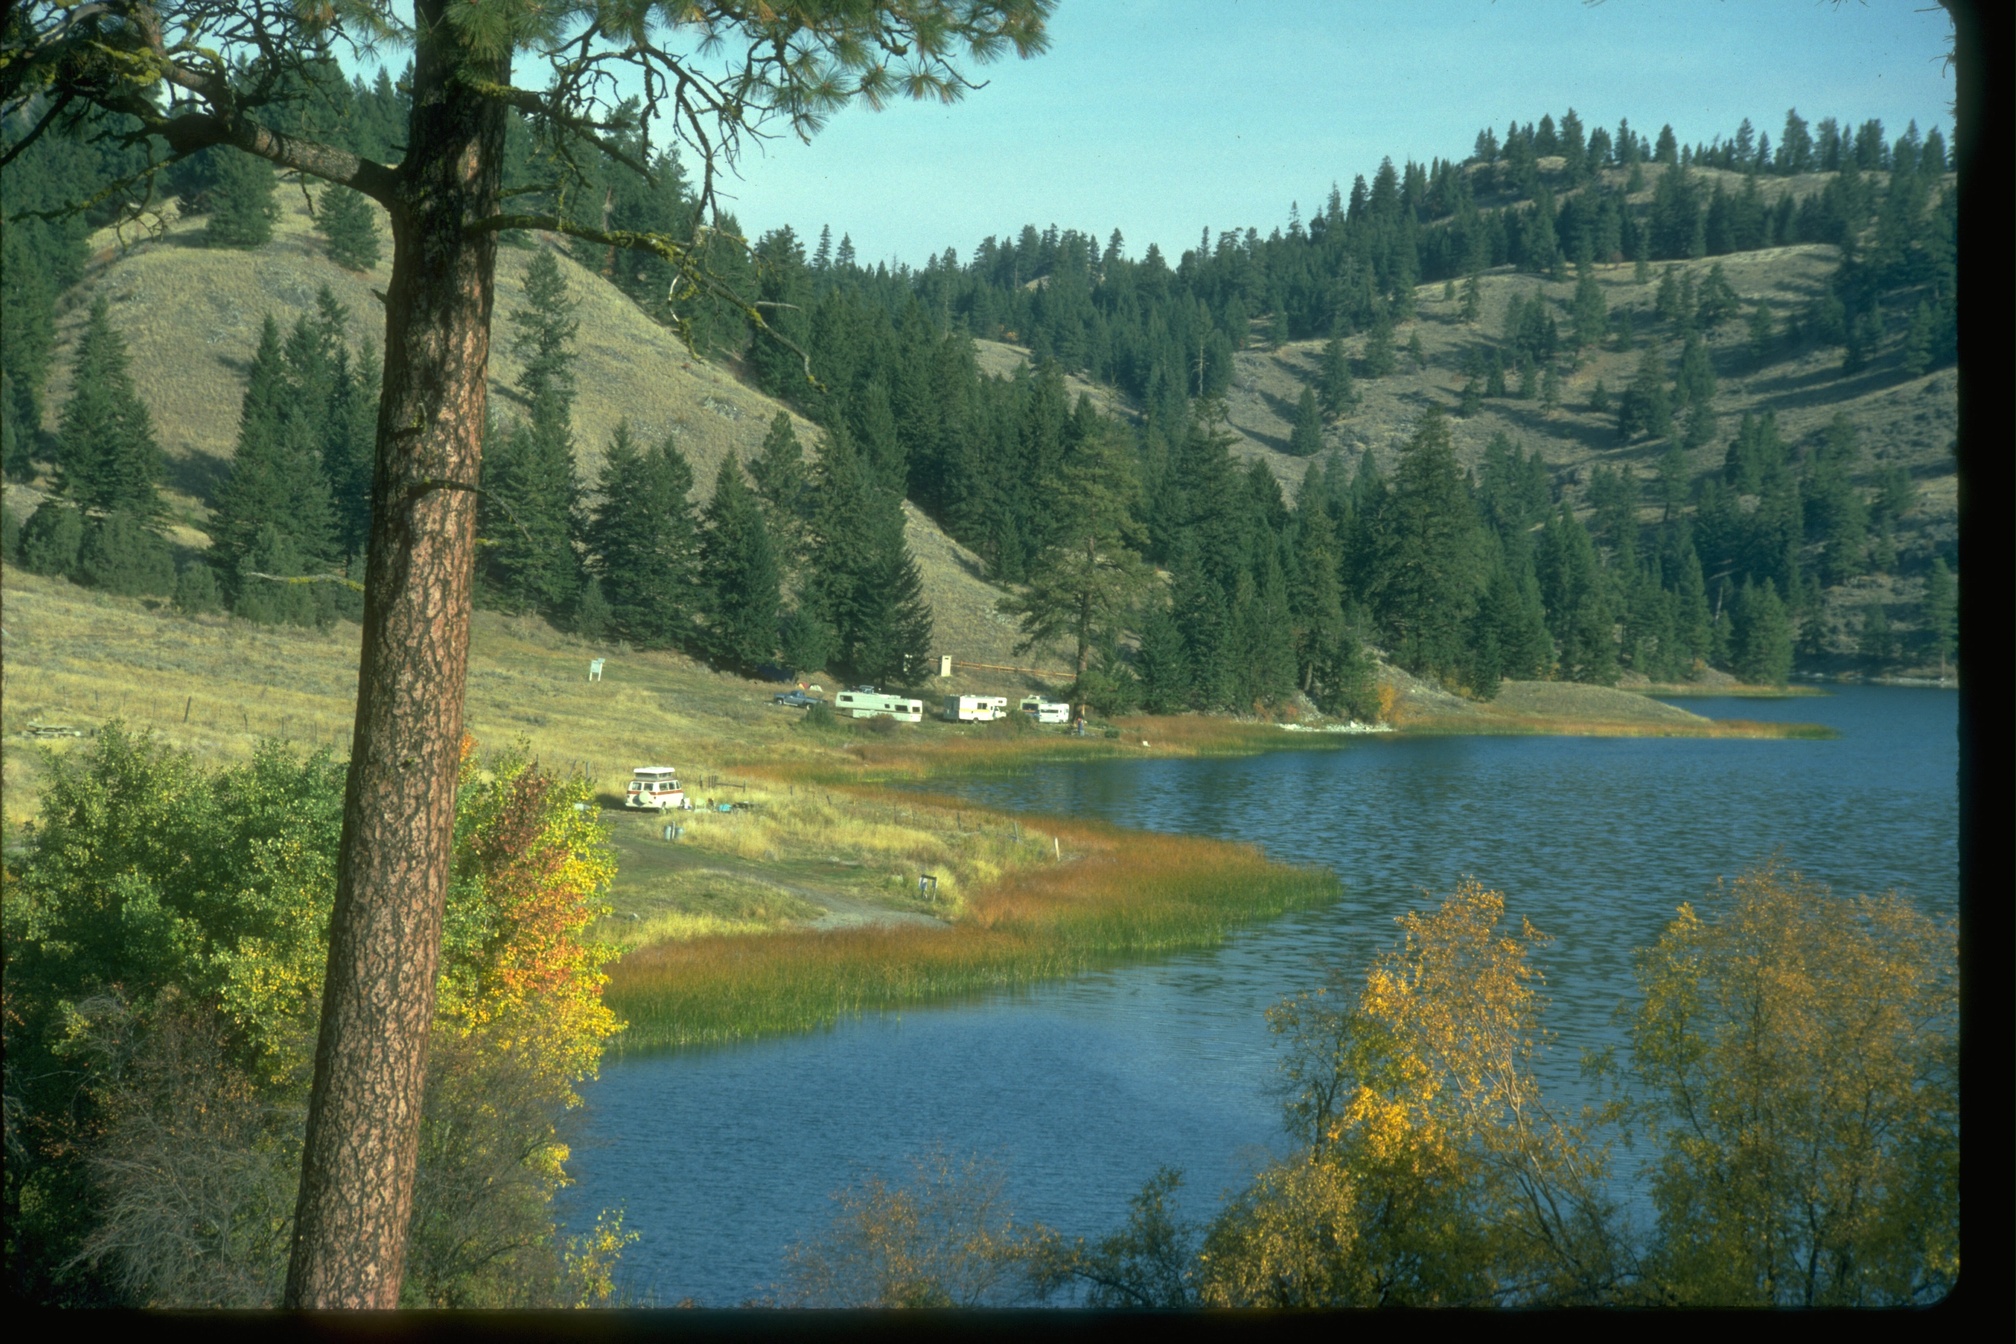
(1903, 421)
(191, 317)
(1907, 422)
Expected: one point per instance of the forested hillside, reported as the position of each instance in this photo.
(1580, 405)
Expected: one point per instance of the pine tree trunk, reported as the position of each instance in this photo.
(355, 1201)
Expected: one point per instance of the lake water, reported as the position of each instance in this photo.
(1080, 1090)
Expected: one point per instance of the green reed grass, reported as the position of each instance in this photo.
(1118, 896)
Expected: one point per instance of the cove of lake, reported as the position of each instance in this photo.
(1080, 1090)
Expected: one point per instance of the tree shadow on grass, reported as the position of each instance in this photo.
(196, 474)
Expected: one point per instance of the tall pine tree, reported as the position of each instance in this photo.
(272, 514)
(738, 575)
(862, 581)
(107, 460)
(1089, 575)
(641, 542)
(530, 490)
(1430, 557)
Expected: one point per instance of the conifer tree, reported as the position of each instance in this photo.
(1429, 554)
(1649, 643)
(1203, 613)
(120, 554)
(543, 340)
(242, 208)
(1161, 661)
(1693, 625)
(107, 460)
(1379, 347)
(51, 539)
(1577, 593)
(1359, 534)
(1306, 438)
(806, 642)
(785, 490)
(1317, 597)
(1089, 576)
(27, 342)
(1835, 514)
(738, 575)
(1760, 651)
(1941, 613)
(526, 516)
(862, 580)
(1644, 407)
(641, 541)
(259, 581)
(276, 485)
(1591, 311)
(1762, 334)
(349, 228)
(593, 620)
(350, 445)
(196, 591)
(1265, 633)
(1525, 649)
(1874, 641)
(531, 493)
(1335, 391)
(1917, 352)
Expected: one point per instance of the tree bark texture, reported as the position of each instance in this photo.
(355, 1201)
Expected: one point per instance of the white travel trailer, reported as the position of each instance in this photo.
(975, 708)
(655, 786)
(873, 704)
(1045, 711)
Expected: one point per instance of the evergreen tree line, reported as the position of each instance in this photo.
(290, 519)
(1162, 334)
(1004, 463)
(803, 564)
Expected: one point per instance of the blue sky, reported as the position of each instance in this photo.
(1163, 117)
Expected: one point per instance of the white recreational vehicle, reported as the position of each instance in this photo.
(873, 704)
(655, 786)
(1045, 711)
(975, 708)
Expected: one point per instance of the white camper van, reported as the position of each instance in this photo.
(655, 786)
(873, 704)
(975, 708)
(1045, 711)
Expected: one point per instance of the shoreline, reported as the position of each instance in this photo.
(1102, 895)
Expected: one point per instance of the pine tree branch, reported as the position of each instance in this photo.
(19, 147)
(682, 255)
(345, 580)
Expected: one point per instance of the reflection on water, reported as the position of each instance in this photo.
(1082, 1089)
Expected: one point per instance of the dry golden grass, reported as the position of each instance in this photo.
(714, 925)
(217, 686)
